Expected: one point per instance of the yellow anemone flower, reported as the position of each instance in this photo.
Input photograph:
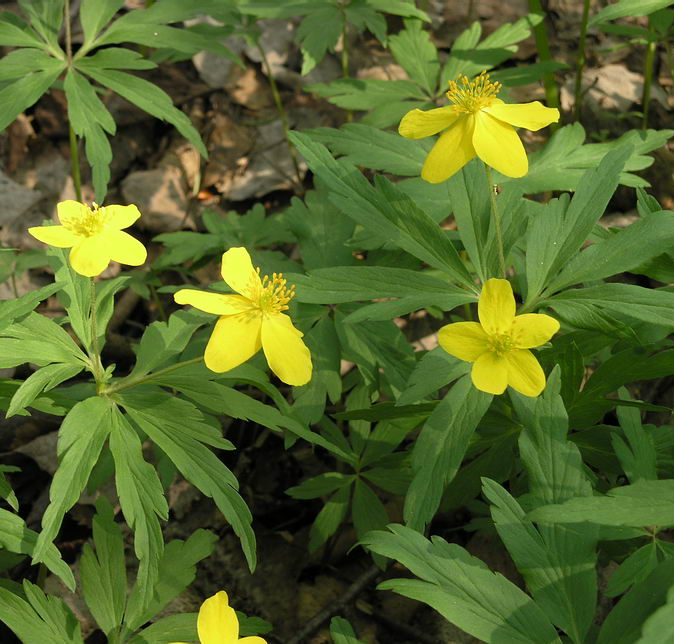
(218, 624)
(94, 235)
(498, 346)
(477, 124)
(252, 320)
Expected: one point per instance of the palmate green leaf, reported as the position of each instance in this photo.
(461, 588)
(177, 572)
(637, 454)
(46, 17)
(439, 449)
(118, 58)
(81, 438)
(555, 472)
(320, 485)
(14, 32)
(414, 50)
(643, 503)
(342, 632)
(103, 571)
(469, 56)
(404, 8)
(173, 628)
(633, 612)
(10, 310)
(21, 94)
(148, 97)
(16, 537)
(319, 32)
(659, 627)
(634, 569)
(141, 496)
(41, 380)
(40, 619)
(182, 438)
(526, 74)
(368, 512)
(6, 491)
(624, 8)
(95, 14)
(329, 518)
(361, 16)
(561, 163)
(385, 209)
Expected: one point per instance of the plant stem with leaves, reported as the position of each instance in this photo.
(649, 65)
(541, 35)
(580, 63)
(491, 186)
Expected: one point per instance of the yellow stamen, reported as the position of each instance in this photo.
(88, 224)
(273, 295)
(470, 96)
(500, 344)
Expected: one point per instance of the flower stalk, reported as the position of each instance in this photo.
(649, 64)
(491, 186)
(580, 63)
(134, 382)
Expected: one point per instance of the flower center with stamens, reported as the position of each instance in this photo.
(500, 344)
(274, 295)
(470, 96)
(85, 225)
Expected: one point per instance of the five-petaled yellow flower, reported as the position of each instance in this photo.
(499, 344)
(477, 124)
(218, 624)
(94, 235)
(252, 320)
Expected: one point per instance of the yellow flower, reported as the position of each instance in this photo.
(498, 345)
(252, 320)
(94, 236)
(218, 624)
(477, 124)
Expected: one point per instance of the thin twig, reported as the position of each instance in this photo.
(351, 592)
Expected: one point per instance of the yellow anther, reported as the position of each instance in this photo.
(87, 224)
(274, 295)
(471, 95)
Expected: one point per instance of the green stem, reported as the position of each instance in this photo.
(97, 365)
(69, 40)
(75, 164)
(649, 64)
(121, 386)
(345, 62)
(580, 63)
(282, 114)
(541, 35)
(491, 186)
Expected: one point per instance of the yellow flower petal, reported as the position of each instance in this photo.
(90, 256)
(58, 236)
(234, 340)
(418, 124)
(532, 116)
(464, 340)
(286, 353)
(215, 303)
(490, 373)
(533, 329)
(451, 151)
(217, 622)
(499, 146)
(69, 208)
(525, 373)
(119, 217)
(237, 270)
(496, 307)
(123, 248)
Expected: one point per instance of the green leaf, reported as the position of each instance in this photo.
(25, 61)
(329, 518)
(461, 588)
(624, 623)
(43, 618)
(95, 14)
(638, 455)
(141, 496)
(641, 504)
(103, 572)
(177, 571)
(404, 8)
(168, 629)
(440, 447)
(46, 17)
(624, 8)
(41, 380)
(319, 32)
(368, 512)
(557, 232)
(21, 94)
(633, 570)
(416, 53)
(385, 210)
(182, 439)
(16, 537)
(320, 485)
(148, 97)
(6, 491)
(14, 32)
(20, 306)
(526, 74)
(342, 632)
(116, 58)
(659, 627)
(81, 438)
